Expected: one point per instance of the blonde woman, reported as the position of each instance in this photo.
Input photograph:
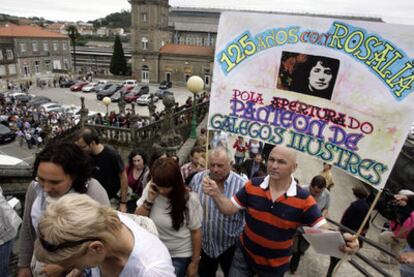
(78, 232)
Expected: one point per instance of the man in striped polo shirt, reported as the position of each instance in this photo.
(275, 207)
(220, 232)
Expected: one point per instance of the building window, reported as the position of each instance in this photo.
(186, 77)
(57, 65)
(65, 64)
(64, 46)
(47, 66)
(1, 55)
(37, 66)
(144, 17)
(55, 46)
(207, 80)
(144, 43)
(26, 70)
(12, 69)
(45, 46)
(34, 46)
(168, 76)
(145, 74)
(22, 47)
(2, 70)
(162, 43)
(199, 41)
(9, 54)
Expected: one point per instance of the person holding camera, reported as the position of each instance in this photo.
(400, 226)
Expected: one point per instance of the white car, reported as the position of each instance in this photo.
(51, 107)
(71, 110)
(129, 83)
(89, 87)
(146, 99)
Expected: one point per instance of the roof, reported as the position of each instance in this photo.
(188, 50)
(196, 27)
(28, 32)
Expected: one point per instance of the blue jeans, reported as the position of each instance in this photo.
(180, 266)
(5, 251)
(240, 268)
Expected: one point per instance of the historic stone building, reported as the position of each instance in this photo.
(163, 50)
(8, 66)
(31, 52)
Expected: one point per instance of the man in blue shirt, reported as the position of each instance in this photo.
(220, 232)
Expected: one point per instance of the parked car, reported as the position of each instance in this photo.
(51, 107)
(108, 92)
(78, 86)
(129, 83)
(146, 99)
(101, 87)
(161, 93)
(165, 84)
(89, 87)
(116, 96)
(136, 92)
(20, 96)
(6, 135)
(38, 100)
(67, 83)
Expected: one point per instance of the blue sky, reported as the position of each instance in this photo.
(395, 11)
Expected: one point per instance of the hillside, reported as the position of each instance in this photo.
(114, 20)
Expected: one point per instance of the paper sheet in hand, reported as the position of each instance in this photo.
(325, 241)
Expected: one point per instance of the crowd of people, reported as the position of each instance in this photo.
(203, 217)
(243, 212)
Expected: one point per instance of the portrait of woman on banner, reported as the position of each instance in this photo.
(308, 74)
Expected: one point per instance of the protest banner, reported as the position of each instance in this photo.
(337, 90)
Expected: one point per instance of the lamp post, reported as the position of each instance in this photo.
(106, 101)
(194, 84)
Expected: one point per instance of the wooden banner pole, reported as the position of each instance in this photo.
(361, 228)
(206, 172)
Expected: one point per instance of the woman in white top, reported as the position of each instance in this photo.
(176, 212)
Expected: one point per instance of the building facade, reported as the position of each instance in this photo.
(8, 63)
(162, 52)
(38, 53)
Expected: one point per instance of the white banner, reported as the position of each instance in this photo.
(337, 90)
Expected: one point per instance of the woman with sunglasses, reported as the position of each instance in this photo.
(77, 232)
(176, 212)
(61, 168)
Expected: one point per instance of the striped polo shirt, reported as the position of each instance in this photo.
(267, 237)
(220, 231)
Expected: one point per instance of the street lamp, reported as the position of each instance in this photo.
(194, 84)
(106, 101)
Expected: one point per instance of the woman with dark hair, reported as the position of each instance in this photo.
(316, 76)
(60, 168)
(137, 173)
(176, 212)
(308, 74)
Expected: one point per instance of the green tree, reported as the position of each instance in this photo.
(74, 36)
(118, 62)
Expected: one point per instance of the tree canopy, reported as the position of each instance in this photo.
(118, 61)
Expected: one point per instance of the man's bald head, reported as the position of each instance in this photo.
(281, 163)
(289, 153)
